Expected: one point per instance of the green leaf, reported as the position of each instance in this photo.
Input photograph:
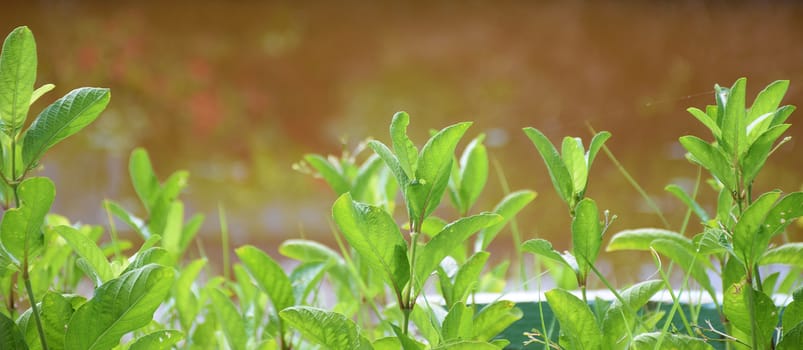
(596, 144)
(17, 76)
(452, 235)
(458, 323)
(65, 117)
(119, 306)
(145, 182)
(787, 254)
(642, 238)
(40, 91)
(467, 277)
(372, 232)
(473, 172)
(736, 307)
(154, 255)
(586, 234)
(734, 126)
(712, 159)
(709, 122)
(690, 262)
(558, 171)
(10, 335)
(56, 312)
(331, 330)
(781, 216)
(544, 248)
(576, 320)
(620, 319)
(186, 301)
(759, 151)
(308, 251)
(495, 318)
(307, 277)
(229, 319)
(792, 315)
(329, 173)
(135, 223)
(792, 339)
(21, 228)
(159, 212)
(511, 205)
(392, 162)
(269, 276)
(432, 170)
(405, 150)
(767, 101)
(747, 228)
(159, 340)
(88, 250)
(467, 345)
(573, 157)
(688, 201)
(669, 341)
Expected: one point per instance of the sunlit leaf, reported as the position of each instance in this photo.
(473, 172)
(586, 234)
(88, 250)
(458, 323)
(766, 102)
(21, 228)
(329, 173)
(669, 341)
(495, 318)
(747, 228)
(576, 320)
(268, 274)
(710, 158)
(787, 254)
(738, 308)
(119, 306)
(467, 277)
(557, 169)
(145, 182)
(688, 201)
(159, 340)
(734, 126)
(544, 248)
(186, 301)
(10, 335)
(331, 330)
(404, 148)
(40, 91)
(757, 154)
(307, 251)
(511, 205)
(641, 239)
(17, 77)
(573, 156)
(709, 122)
(229, 319)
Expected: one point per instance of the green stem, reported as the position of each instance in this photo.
(27, 278)
(224, 237)
(514, 227)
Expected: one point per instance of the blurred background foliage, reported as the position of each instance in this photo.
(237, 91)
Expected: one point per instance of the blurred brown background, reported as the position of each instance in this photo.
(236, 92)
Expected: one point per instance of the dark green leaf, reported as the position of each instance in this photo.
(65, 117)
(557, 169)
(792, 339)
(712, 159)
(119, 306)
(576, 320)
(21, 228)
(17, 75)
(10, 335)
(269, 276)
(511, 205)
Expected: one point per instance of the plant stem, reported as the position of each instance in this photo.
(32, 300)
(224, 238)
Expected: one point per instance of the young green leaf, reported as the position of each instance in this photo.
(511, 205)
(138, 225)
(55, 311)
(467, 278)
(767, 101)
(734, 126)
(467, 345)
(17, 76)
(145, 182)
(329, 173)
(688, 260)
(308, 251)
(269, 276)
(21, 228)
(402, 145)
(10, 335)
(759, 151)
(596, 144)
(376, 238)
(792, 339)
(620, 319)
(576, 320)
(706, 119)
(88, 250)
(392, 162)
(573, 157)
(668, 341)
(186, 301)
(558, 172)
(473, 173)
(229, 319)
(452, 235)
(544, 248)
(40, 91)
(792, 316)
(164, 339)
(494, 319)
(65, 117)
(433, 167)
(331, 330)
(586, 234)
(119, 306)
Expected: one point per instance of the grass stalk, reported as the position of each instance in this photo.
(514, 226)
